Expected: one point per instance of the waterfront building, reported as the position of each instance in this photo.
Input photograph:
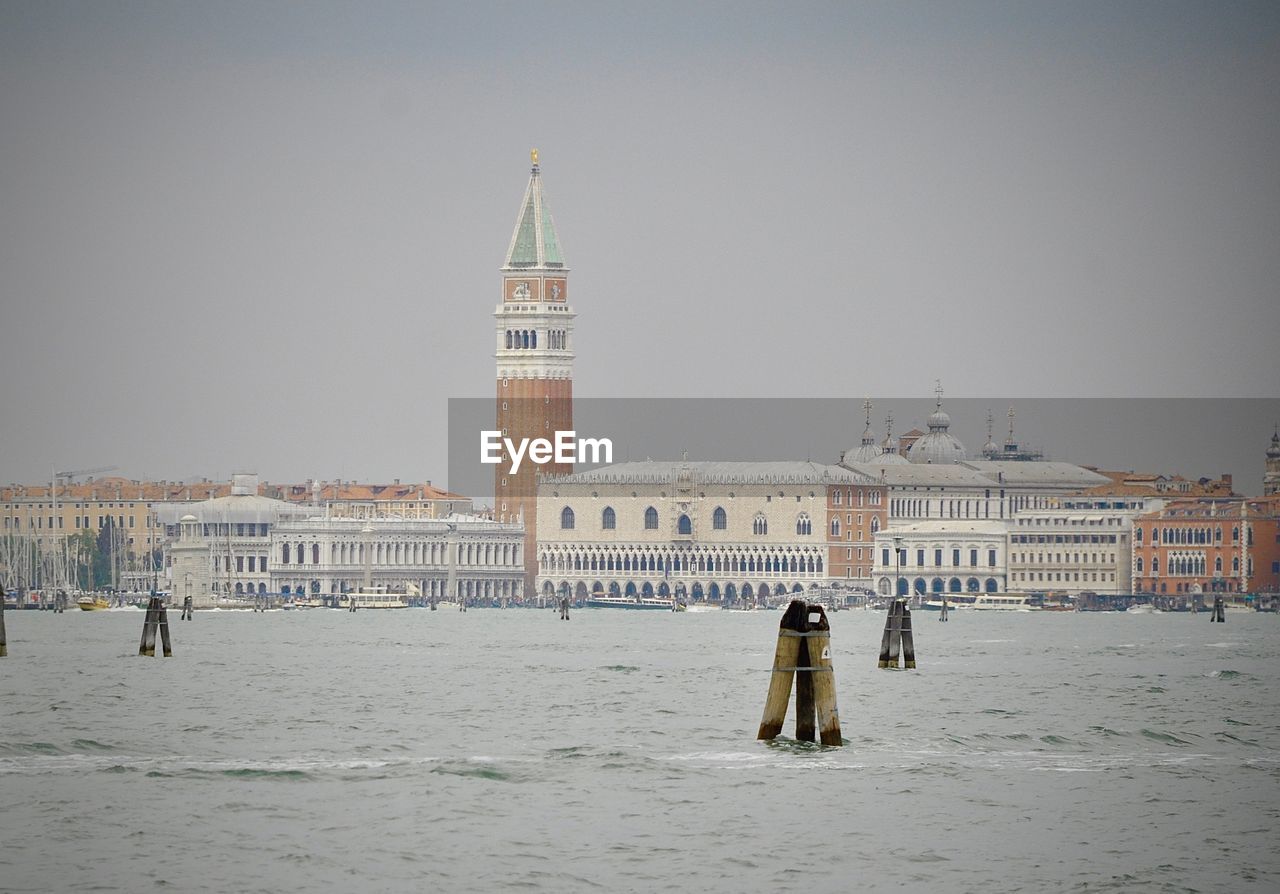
(457, 558)
(716, 531)
(234, 533)
(974, 490)
(1071, 550)
(1209, 545)
(534, 354)
(941, 556)
(49, 511)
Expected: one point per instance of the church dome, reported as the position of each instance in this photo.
(939, 445)
(1273, 452)
(991, 450)
(863, 453)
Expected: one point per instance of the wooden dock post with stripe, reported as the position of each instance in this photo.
(803, 654)
(187, 609)
(157, 621)
(897, 636)
(4, 642)
(942, 615)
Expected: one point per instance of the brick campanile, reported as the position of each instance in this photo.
(534, 360)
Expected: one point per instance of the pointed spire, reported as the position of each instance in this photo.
(534, 244)
(868, 438)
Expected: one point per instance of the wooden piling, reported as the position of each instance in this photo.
(942, 615)
(898, 637)
(884, 638)
(806, 727)
(187, 609)
(908, 639)
(823, 676)
(1219, 612)
(785, 656)
(148, 645)
(163, 617)
(4, 642)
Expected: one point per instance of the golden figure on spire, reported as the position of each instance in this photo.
(533, 153)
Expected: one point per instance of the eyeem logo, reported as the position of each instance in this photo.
(565, 447)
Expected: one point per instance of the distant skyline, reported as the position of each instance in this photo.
(267, 237)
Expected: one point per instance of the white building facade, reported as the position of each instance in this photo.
(939, 557)
(1071, 551)
(721, 532)
(460, 558)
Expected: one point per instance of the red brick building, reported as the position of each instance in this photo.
(1207, 545)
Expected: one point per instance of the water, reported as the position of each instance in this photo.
(491, 750)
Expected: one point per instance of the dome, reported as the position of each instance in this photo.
(890, 459)
(939, 420)
(1273, 452)
(864, 453)
(937, 447)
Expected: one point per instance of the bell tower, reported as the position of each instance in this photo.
(1271, 477)
(534, 353)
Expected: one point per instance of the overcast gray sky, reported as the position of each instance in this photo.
(267, 236)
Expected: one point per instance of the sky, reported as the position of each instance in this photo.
(266, 236)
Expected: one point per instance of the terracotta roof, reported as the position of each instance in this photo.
(124, 489)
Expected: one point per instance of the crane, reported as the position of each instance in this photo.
(76, 473)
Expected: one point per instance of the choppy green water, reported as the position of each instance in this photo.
(491, 750)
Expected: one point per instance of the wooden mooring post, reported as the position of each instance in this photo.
(898, 637)
(4, 642)
(1219, 612)
(157, 620)
(187, 609)
(942, 615)
(803, 654)
(564, 608)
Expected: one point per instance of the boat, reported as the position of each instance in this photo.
(1140, 608)
(704, 607)
(935, 605)
(1016, 602)
(375, 597)
(655, 603)
(93, 602)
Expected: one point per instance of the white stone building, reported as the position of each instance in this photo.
(952, 556)
(461, 557)
(715, 531)
(1071, 551)
(976, 490)
(234, 534)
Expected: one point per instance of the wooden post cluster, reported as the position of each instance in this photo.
(157, 618)
(942, 615)
(897, 635)
(4, 642)
(564, 608)
(803, 653)
(1219, 612)
(187, 610)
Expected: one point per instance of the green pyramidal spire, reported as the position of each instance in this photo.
(534, 243)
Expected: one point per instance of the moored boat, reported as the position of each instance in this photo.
(656, 603)
(1017, 602)
(93, 602)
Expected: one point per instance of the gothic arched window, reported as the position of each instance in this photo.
(651, 519)
(683, 525)
(719, 521)
(608, 520)
(566, 519)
